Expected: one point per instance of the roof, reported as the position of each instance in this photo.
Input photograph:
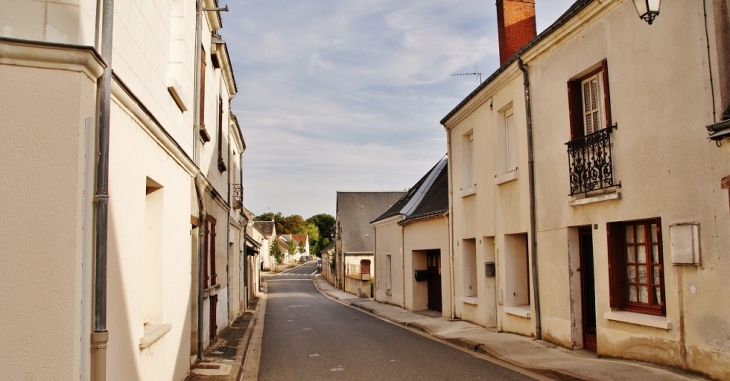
(428, 197)
(265, 227)
(355, 210)
(569, 14)
(329, 247)
(300, 237)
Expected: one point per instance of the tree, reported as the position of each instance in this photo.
(313, 233)
(292, 248)
(301, 249)
(276, 252)
(293, 224)
(324, 223)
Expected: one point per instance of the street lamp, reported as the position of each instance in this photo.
(648, 9)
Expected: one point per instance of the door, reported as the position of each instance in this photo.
(588, 288)
(433, 260)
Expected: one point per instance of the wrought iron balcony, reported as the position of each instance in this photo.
(591, 162)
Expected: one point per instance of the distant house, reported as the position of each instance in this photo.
(412, 244)
(268, 231)
(354, 236)
(302, 238)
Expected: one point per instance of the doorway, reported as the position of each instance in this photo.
(588, 287)
(433, 265)
(213, 326)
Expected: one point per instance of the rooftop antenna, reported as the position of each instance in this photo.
(476, 72)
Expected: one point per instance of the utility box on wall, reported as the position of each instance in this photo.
(490, 270)
(685, 240)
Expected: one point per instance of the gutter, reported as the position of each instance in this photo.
(450, 221)
(100, 335)
(533, 208)
(202, 223)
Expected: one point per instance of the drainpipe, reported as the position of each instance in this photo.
(403, 260)
(450, 222)
(199, 189)
(533, 209)
(100, 335)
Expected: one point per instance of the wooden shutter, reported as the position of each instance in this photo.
(206, 255)
(213, 275)
(606, 94)
(575, 107)
(616, 265)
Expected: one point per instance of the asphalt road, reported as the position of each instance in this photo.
(308, 336)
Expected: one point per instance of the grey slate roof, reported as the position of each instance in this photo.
(355, 210)
(429, 196)
(265, 227)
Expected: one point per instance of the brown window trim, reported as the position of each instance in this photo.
(618, 264)
(575, 101)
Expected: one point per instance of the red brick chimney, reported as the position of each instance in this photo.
(516, 26)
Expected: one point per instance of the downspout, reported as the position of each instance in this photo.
(533, 209)
(403, 260)
(451, 224)
(202, 224)
(100, 335)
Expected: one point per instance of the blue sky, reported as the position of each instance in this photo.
(348, 94)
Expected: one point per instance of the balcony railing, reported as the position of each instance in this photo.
(591, 162)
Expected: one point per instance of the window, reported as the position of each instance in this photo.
(209, 277)
(508, 149)
(589, 102)
(590, 151)
(635, 266)
(153, 253)
(468, 161)
(221, 163)
(517, 270)
(203, 132)
(388, 272)
(469, 255)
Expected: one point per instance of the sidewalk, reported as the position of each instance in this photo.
(526, 353)
(224, 359)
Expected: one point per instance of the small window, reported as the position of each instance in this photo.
(589, 102)
(470, 267)
(508, 149)
(468, 161)
(636, 266)
(517, 270)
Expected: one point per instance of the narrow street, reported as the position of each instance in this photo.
(308, 336)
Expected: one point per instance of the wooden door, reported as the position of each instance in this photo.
(433, 260)
(588, 288)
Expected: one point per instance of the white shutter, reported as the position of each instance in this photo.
(592, 104)
(510, 143)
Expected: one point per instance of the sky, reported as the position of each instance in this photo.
(347, 95)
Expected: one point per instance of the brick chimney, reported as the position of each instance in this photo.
(516, 26)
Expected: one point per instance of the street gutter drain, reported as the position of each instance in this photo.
(208, 366)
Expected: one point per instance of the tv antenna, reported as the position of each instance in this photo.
(476, 73)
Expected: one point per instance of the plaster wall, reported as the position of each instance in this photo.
(421, 235)
(499, 202)
(136, 282)
(660, 99)
(389, 241)
(43, 172)
(66, 22)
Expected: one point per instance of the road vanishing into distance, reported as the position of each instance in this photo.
(308, 336)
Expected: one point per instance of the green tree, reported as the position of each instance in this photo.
(276, 252)
(313, 233)
(292, 248)
(301, 248)
(293, 224)
(324, 223)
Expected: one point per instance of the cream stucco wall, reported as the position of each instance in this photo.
(47, 210)
(660, 99)
(421, 235)
(389, 241)
(497, 205)
(140, 278)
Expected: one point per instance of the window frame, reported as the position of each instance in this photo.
(576, 101)
(509, 142)
(620, 281)
(468, 181)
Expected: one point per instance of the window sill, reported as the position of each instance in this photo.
(507, 177)
(521, 311)
(472, 300)
(594, 199)
(152, 333)
(468, 192)
(660, 322)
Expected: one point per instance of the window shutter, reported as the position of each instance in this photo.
(575, 107)
(202, 86)
(616, 265)
(606, 94)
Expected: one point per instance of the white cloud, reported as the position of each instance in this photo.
(342, 95)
